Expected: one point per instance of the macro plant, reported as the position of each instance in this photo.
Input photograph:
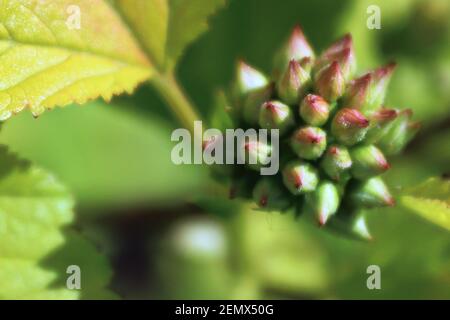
(338, 138)
(336, 133)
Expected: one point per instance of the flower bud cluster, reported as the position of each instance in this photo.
(335, 131)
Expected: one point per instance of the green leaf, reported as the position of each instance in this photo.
(149, 19)
(430, 200)
(188, 20)
(35, 246)
(167, 27)
(48, 61)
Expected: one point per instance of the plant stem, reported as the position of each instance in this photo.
(184, 111)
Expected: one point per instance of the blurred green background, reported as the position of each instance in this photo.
(169, 236)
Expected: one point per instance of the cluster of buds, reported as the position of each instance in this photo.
(336, 133)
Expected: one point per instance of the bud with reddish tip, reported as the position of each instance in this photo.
(248, 79)
(314, 110)
(293, 83)
(309, 142)
(371, 193)
(368, 161)
(380, 121)
(276, 115)
(296, 48)
(307, 64)
(270, 195)
(324, 201)
(349, 126)
(336, 162)
(341, 51)
(396, 135)
(253, 101)
(330, 82)
(357, 92)
(257, 154)
(378, 88)
(300, 177)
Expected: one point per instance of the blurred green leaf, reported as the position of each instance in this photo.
(166, 27)
(106, 155)
(430, 200)
(35, 251)
(188, 20)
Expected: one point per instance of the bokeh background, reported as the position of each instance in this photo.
(167, 232)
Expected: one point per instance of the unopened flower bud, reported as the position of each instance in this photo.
(357, 92)
(368, 161)
(257, 154)
(349, 126)
(307, 64)
(330, 82)
(293, 83)
(396, 135)
(270, 195)
(296, 48)
(378, 88)
(314, 110)
(342, 52)
(276, 115)
(371, 193)
(253, 101)
(309, 142)
(300, 177)
(324, 201)
(336, 162)
(248, 79)
(353, 225)
(380, 122)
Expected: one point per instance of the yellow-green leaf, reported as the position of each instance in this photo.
(166, 27)
(149, 19)
(430, 200)
(57, 52)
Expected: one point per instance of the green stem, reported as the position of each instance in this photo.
(184, 111)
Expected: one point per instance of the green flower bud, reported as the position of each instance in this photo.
(296, 48)
(248, 79)
(307, 64)
(378, 88)
(368, 161)
(342, 52)
(380, 121)
(336, 162)
(396, 135)
(309, 142)
(370, 193)
(352, 225)
(293, 83)
(324, 201)
(257, 154)
(276, 115)
(349, 126)
(330, 82)
(357, 92)
(270, 195)
(253, 102)
(300, 177)
(314, 110)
